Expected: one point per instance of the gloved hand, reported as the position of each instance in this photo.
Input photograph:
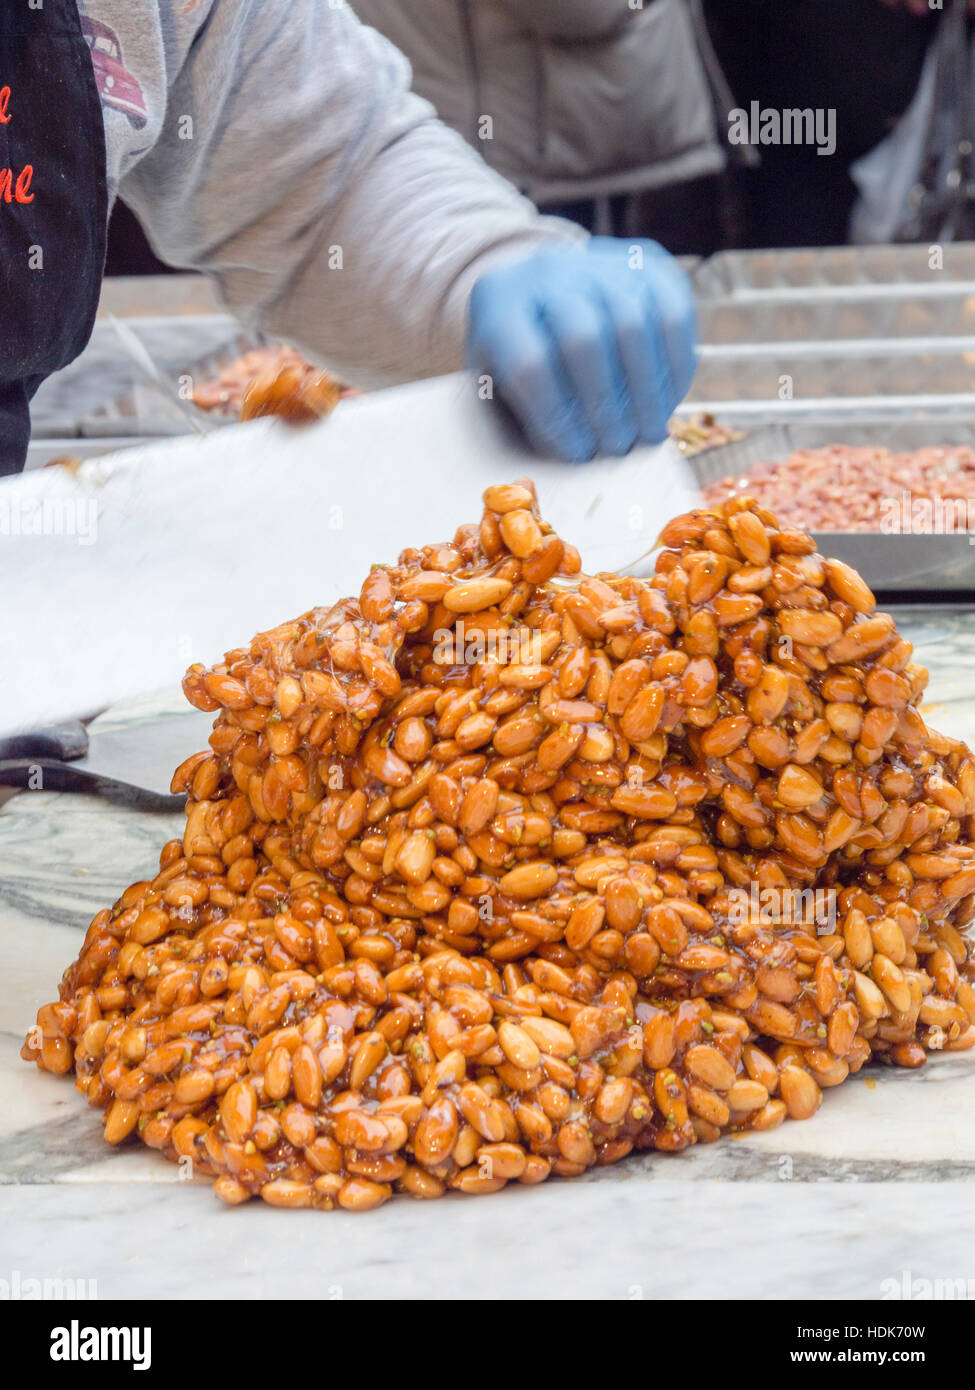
(591, 347)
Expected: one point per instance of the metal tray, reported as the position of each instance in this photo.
(77, 400)
(928, 371)
(842, 412)
(825, 269)
(147, 411)
(871, 314)
(891, 564)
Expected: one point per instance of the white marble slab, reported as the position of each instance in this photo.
(608, 1240)
(880, 1182)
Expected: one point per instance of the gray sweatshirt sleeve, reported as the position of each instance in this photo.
(293, 163)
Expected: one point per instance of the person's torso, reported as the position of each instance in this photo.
(561, 117)
(53, 206)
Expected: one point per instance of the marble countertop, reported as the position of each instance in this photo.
(880, 1183)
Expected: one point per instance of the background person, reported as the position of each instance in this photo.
(584, 105)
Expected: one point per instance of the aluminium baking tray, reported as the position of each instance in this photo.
(149, 410)
(834, 270)
(841, 411)
(867, 314)
(934, 372)
(146, 410)
(891, 564)
(77, 400)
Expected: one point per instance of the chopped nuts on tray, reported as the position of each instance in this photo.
(863, 488)
(693, 434)
(489, 873)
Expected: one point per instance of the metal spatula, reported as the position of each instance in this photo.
(130, 763)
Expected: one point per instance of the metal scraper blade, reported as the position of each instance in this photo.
(131, 763)
(182, 550)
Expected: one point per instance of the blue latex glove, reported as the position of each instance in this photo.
(591, 348)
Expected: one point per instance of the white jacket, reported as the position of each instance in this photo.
(567, 98)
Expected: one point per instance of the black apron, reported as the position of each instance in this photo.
(53, 205)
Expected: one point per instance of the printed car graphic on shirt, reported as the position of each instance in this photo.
(116, 85)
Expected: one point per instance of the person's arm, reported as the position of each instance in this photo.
(285, 155)
(572, 20)
(332, 207)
